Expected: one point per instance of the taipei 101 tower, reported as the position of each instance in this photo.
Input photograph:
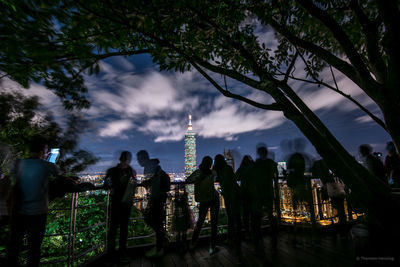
(190, 149)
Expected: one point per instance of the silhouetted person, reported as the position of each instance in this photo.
(392, 165)
(372, 163)
(5, 192)
(205, 193)
(182, 216)
(242, 176)
(297, 145)
(31, 201)
(320, 170)
(121, 180)
(301, 187)
(158, 182)
(231, 192)
(261, 195)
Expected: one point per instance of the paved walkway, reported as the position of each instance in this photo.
(325, 250)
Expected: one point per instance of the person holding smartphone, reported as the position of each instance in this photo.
(30, 200)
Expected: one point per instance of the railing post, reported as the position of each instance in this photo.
(320, 203)
(70, 234)
(277, 201)
(107, 220)
(72, 229)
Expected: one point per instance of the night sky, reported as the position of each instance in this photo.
(135, 106)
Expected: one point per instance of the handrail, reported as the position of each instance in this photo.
(74, 255)
(90, 227)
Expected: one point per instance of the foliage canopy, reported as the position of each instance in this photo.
(23, 117)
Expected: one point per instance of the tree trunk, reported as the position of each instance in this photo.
(391, 114)
(372, 195)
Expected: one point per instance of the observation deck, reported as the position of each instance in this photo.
(77, 225)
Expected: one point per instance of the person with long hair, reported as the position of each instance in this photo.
(205, 193)
(231, 192)
(243, 177)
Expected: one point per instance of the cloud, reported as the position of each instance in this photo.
(157, 104)
(228, 119)
(325, 99)
(49, 101)
(164, 130)
(122, 64)
(116, 128)
(46, 96)
(364, 119)
(267, 36)
(153, 94)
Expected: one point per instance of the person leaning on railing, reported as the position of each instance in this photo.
(30, 202)
(260, 192)
(334, 189)
(159, 184)
(121, 180)
(231, 192)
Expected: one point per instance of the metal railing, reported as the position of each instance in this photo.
(83, 222)
(323, 212)
(63, 227)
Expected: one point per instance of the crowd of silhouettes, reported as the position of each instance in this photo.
(248, 194)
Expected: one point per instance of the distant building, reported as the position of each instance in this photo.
(190, 149)
(228, 155)
(281, 168)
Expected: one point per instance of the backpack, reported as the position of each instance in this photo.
(376, 167)
(165, 181)
(204, 187)
(296, 168)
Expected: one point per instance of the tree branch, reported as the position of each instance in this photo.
(331, 59)
(97, 14)
(274, 106)
(98, 57)
(369, 85)
(291, 66)
(228, 72)
(95, 57)
(85, 37)
(238, 45)
(337, 90)
(390, 14)
(370, 30)
(339, 34)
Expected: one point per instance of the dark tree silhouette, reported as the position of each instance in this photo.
(20, 120)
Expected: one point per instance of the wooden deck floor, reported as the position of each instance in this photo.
(324, 251)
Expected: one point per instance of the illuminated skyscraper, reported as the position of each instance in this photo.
(190, 149)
